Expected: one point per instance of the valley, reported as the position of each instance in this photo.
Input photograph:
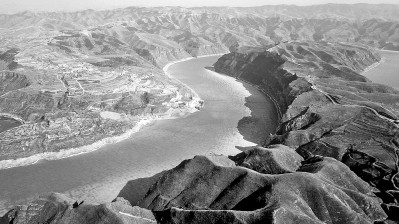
(215, 129)
(281, 114)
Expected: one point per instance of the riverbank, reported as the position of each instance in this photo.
(374, 65)
(6, 164)
(8, 124)
(264, 92)
(12, 116)
(192, 106)
(383, 60)
(276, 105)
(166, 67)
(389, 51)
(385, 71)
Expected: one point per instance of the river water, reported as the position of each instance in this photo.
(387, 72)
(7, 123)
(100, 175)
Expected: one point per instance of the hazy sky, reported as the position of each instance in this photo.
(13, 6)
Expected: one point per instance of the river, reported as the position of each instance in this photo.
(8, 123)
(100, 175)
(387, 72)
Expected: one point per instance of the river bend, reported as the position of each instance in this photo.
(100, 175)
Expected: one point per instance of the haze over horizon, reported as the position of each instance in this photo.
(15, 6)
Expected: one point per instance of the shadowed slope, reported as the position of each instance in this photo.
(213, 189)
(57, 208)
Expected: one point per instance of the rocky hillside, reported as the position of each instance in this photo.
(262, 185)
(328, 108)
(70, 90)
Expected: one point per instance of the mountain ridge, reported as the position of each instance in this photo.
(316, 6)
(329, 109)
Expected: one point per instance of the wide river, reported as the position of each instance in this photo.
(387, 72)
(235, 115)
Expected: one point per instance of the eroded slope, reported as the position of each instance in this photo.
(216, 189)
(328, 108)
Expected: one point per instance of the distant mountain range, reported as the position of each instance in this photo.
(375, 25)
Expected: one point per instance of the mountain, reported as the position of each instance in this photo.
(239, 189)
(327, 107)
(371, 24)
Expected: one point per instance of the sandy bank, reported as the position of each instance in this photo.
(5, 164)
(390, 51)
(276, 105)
(166, 67)
(12, 116)
(373, 66)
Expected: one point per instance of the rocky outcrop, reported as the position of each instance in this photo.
(10, 81)
(57, 208)
(340, 114)
(213, 189)
(276, 159)
(7, 59)
(261, 185)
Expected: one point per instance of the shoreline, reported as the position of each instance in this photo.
(372, 66)
(143, 122)
(196, 99)
(12, 116)
(276, 105)
(65, 153)
(389, 51)
(383, 59)
(166, 67)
